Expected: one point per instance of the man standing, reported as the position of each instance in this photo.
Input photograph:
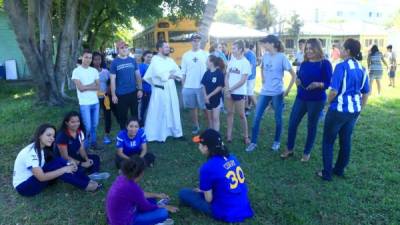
(163, 117)
(392, 64)
(251, 80)
(194, 65)
(126, 84)
(299, 58)
(86, 79)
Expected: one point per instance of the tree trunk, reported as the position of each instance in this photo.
(208, 17)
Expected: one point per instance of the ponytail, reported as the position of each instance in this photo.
(354, 47)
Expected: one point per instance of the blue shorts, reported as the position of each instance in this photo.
(392, 74)
(237, 97)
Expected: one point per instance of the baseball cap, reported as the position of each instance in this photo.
(210, 137)
(121, 44)
(195, 36)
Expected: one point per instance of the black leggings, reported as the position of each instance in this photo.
(107, 114)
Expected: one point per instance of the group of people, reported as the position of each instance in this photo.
(210, 81)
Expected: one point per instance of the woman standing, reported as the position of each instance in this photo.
(34, 168)
(236, 89)
(104, 94)
(348, 95)
(144, 102)
(274, 64)
(314, 77)
(375, 59)
(213, 82)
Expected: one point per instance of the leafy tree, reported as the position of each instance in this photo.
(263, 15)
(206, 21)
(51, 33)
(295, 24)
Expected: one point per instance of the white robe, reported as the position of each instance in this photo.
(163, 117)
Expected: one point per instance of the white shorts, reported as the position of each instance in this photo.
(250, 87)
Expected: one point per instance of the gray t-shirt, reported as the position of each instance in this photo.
(104, 76)
(274, 67)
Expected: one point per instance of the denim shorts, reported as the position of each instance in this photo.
(193, 98)
(392, 74)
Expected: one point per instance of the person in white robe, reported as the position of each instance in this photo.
(163, 116)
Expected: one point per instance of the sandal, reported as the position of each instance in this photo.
(286, 154)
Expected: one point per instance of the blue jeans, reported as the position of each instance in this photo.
(262, 103)
(337, 123)
(299, 109)
(195, 200)
(151, 217)
(33, 186)
(90, 117)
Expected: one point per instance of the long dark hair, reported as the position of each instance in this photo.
(316, 46)
(354, 47)
(219, 150)
(36, 143)
(374, 49)
(133, 167)
(217, 62)
(67, 118)
(103, 63)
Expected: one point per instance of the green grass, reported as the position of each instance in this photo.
(281, 192)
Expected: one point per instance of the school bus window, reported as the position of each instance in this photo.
(180, 36)
(163, 25)
(160, 36)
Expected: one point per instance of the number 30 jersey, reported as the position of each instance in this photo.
(225, 177)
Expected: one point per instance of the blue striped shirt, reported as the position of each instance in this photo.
(350, 80)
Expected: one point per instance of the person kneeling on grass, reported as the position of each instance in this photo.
(69, 145)
(223, 192)
(127, 203)
(34, 166)
(132, 141)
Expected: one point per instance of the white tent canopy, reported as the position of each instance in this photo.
(224, 30)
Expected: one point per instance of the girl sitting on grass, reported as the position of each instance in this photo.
(132, 141)
(127, 203)
(222, 193)
(34, 167)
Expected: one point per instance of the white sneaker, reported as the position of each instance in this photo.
(251, 147)
(275, 146)
(99, 176)
(168, 221)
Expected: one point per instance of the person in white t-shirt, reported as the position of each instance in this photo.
(34, 166)
(194, 65)
(236, 88)
(86, 79)
(299, 58)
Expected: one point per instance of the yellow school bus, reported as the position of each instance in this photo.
(176, 34)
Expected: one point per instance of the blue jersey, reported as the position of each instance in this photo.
(142, 69)
(129, 145)
(350, 81)
(251, 57)
(225, 177)
(125, 77)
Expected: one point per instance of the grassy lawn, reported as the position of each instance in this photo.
(281, 192)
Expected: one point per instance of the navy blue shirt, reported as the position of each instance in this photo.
(64, 138)
(349, 80)
(212, 80)
(314, 72)
(124, 69)
(142, 69)
(225, 177)
(129, 145)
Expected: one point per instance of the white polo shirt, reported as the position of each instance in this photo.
(25, 161)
